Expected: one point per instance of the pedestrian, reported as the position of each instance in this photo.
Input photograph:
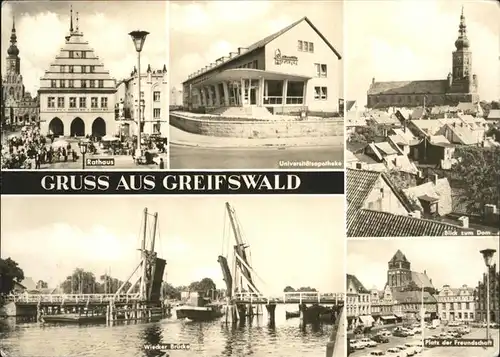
(162, 164)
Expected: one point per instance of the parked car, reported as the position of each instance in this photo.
(465, 329)
(410, 349)
(376, 353)
(405, 352)
(368, 342)
(409, 332)
(394, 352)
(418, 346)
(384, 333)
(380, 339)
(357, 345)
(400, 333)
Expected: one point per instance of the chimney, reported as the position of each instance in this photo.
(373, 80)
(219, 60)
(425, 272)
(233, 54)
(462, 125)
(464, 221)
(242, 50)
(454, 124)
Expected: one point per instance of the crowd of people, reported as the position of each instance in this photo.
(29, 149)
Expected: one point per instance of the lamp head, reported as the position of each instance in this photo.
(138, 37)
(488, 256)
(83, 146)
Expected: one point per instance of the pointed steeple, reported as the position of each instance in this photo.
(462, 41)
(13, 51)
(149, 68)
(71, 19)
(164, 68)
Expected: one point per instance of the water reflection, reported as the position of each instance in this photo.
(152, 335)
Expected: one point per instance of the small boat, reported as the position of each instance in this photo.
(291, 315)
(208, 312)
(74, 319)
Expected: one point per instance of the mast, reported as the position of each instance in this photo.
(144, 256)
(152, 258)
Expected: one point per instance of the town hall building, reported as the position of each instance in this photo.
(293, 70)
(77, 94)
(461, 85)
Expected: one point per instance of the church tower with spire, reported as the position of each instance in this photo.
(462, 79)
(13, 63)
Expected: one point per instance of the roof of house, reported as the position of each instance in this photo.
(440, 109)
(352, 279)
(494, 114)
(28, 283)
(398, 257)
(402, 137)
(418, 113)
(413, 297)
(439, 86)
(463, 133)
(266, 40)
(440, 140)
(467, 107)
(386, 148)
(429, 191)
(368, 223)
(349, 104)
(421, 279)
(383, 118)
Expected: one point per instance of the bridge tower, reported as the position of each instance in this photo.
(244, 298)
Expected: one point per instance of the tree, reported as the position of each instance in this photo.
(170, 292)
(41, 285)
(205, 285)
(10, 273)
(306, 288)
(80, 282)
(479, 169)
(110, 285)
(289, 289)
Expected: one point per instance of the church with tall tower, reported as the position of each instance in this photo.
(19, 107)
(460, 86)
(400, 276)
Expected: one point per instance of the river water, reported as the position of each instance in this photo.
(208, 339)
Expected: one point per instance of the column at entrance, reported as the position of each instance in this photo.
(242, 92)
(217, 95)
(304, 96)
(285, 90)
(210, 97)
(226, 93)
(203, 97)
(260, 96)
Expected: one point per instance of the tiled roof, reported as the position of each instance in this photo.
(384, 119)
(409, 87)
(368, 223)
(352, 279)
(414, 297)
(421, 279)
(464, 133)
(467, 107)
(418, 113)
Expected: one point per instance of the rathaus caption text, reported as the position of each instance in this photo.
(169, 182)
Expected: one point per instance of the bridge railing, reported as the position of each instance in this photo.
(71, 298)
(293, 297)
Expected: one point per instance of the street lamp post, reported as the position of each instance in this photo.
(139, 37)
(488, 257)
(83, 150)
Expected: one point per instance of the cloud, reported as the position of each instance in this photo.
(41, 36)
(414, 40)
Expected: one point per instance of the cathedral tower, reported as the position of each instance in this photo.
(13, 61)
(399, 272)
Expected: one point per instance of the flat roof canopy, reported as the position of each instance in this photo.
(237, 74)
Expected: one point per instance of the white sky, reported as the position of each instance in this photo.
(293, 240)
(454, 261)
(41, 27)
(202, 31)
(414, 40)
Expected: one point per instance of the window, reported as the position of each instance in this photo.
(320, 93)
(83, 83)
(104, 102)
(71, 69)
(62, 83)
(156, 96)
(321, 70)
(101, 83)
(467, 306)
(84, 68)
(92, 83)
(84, 54)
(311, 47)
(60, 102)
(305, 46)
(142, 94)
(92, 69)
(71, 54)
(300, 45)
(72, 102)
(53, 84)
(51, 101)
(62, 69)
(156, 113)
(93, 102)
(71, 83)
(83, 102)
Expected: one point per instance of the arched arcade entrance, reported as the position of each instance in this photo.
(77, 127)
(99, 128)
(56, 127)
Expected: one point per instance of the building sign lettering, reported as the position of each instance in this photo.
(280, 59)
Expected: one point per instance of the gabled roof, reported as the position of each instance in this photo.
(412, 297)
(421, 279)
(349, 104)
(398, 257)
(352, 279)
(368, 223)
(409, 87)
(463, 133)
(260, 44)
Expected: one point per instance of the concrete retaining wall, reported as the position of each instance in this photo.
(251, 129)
